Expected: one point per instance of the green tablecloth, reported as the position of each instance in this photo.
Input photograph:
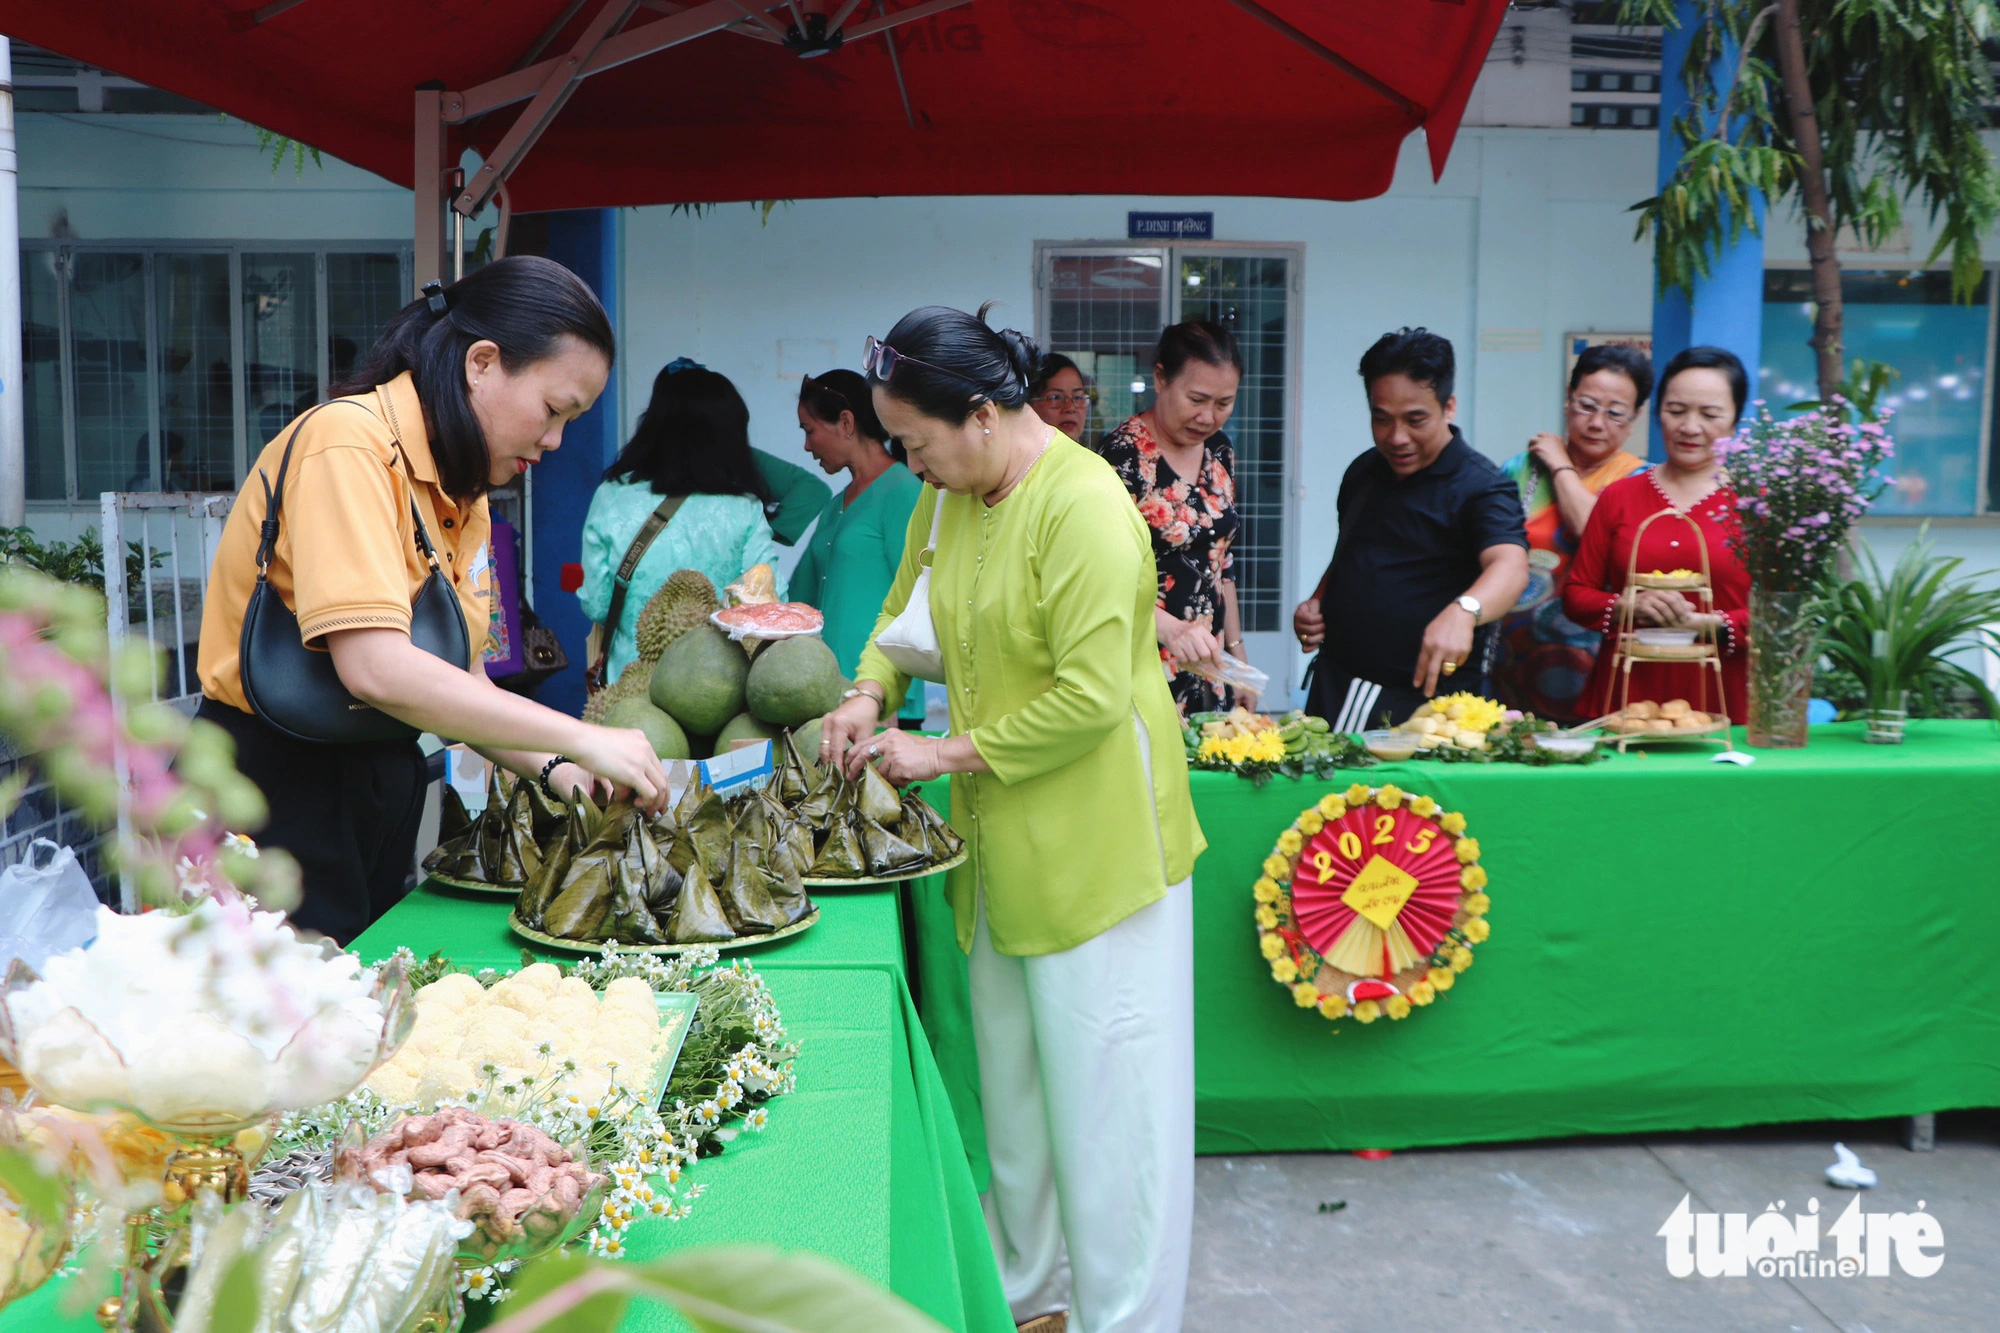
(855, 928)
(1677, 944)
(863, 1163)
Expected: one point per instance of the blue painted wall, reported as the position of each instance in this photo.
(585, 241)
(1728, 305)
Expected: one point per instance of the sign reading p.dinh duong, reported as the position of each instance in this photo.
(1170, 226)
(1371, 903)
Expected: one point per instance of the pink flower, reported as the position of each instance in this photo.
(1157, 512)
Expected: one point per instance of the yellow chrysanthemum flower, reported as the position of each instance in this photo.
(1332, 1006)
(1467, 849)
(1367, 1011)
(1331, 806)
(1289, 842)
(1271, 947)
(1423, 993)
(1267, 747)
(1441, 978)
(1452, 822)
(1285, 971)
(1461, 958)
(1358, 794)
(1265, 890)
(1397, 1006)
(1311, 823)
(1478, 904)
(1305, 995)
(1423, 806)
(1477, 930)
(1267, 918)
(1212, 748)
(1277, 867)
(1473, 877)
(1389, 796)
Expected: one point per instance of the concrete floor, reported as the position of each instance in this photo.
(1562, 1235)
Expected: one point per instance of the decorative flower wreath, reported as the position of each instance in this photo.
(1370, 903)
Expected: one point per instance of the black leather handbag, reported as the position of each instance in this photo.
(297, 690)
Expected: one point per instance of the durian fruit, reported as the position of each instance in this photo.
(685, 600)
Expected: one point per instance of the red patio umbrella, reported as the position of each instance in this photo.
(820, 98)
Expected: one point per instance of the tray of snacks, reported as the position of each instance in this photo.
(1670, 578)
(1673, 720)
(527, 1029)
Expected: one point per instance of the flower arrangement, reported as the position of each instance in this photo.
(735, 1061)
(1370, 904)
(1260, 747)
(1801, 483)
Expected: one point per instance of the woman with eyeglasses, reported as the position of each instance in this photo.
(1076, 901)
(1544, 658)
(1061, 395)
(1181, 471)
(1702, 393)
(856, 547)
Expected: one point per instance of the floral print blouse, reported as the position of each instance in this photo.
(1193, 521)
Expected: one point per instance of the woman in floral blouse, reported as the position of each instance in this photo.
(1180, 469)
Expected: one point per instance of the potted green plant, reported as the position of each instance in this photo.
(1897, 634)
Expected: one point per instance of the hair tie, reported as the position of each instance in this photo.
(680, 363)
(434, 296)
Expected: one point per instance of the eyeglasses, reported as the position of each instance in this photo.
(1075, 398)
(881, 360)
(823, 392)
(1590, 407)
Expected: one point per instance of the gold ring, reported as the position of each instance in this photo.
(1450, 667)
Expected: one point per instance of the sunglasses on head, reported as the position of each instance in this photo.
(880, 360)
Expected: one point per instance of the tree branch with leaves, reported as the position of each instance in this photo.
(1848, 108)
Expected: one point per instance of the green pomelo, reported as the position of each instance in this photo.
(669, 741)
(743, 727)
(806, 740)
(794, 681)
(699, 679)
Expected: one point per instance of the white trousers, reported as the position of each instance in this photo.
(1086, 1068)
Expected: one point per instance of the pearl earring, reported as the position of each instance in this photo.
(987, 432)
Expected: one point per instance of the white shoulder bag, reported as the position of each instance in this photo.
(910, 641)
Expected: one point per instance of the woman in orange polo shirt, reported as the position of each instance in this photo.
(467, 388)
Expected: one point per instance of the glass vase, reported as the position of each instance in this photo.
(1782, 638)
(1885, 720)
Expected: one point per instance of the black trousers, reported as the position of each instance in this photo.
(347, 813)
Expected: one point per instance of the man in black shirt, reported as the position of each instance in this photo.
(1432, 550)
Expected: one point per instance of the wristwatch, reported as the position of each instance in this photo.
(1470, 604)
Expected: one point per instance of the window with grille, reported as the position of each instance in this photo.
(1103, 306)
(150, 368)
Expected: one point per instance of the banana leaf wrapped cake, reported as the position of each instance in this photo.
(712, 870)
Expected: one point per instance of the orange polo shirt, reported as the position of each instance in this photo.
(346, 555)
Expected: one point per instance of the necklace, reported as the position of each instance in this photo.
(1012, 486)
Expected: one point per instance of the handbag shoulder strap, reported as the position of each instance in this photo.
(937, 523)
(621, 583)
(274, 496)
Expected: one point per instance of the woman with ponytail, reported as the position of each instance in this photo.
(348, 512)
(1075, 903)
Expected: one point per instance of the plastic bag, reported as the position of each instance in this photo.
(46, 906)
(1236, 673)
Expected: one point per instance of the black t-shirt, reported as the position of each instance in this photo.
(1414, 549)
